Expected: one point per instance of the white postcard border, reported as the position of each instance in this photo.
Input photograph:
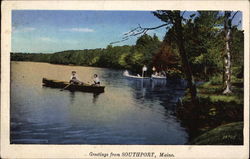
(82, 151)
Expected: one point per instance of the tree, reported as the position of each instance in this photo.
(148, 46)
(227, 57)
(166, 58)
(171, 19)
(200, 34)
(175, 19)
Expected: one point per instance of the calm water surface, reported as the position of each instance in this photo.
(129, 112)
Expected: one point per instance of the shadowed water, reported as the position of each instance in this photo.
(129, 112)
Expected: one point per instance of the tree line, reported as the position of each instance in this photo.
(193, 47)
(117, 57)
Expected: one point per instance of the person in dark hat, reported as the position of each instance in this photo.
(74, 78)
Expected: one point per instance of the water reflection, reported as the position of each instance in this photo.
(72, 97)
(158, 83)
(128, 112)
(95, 97)
(167, 92)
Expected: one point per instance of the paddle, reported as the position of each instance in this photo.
(66, 87)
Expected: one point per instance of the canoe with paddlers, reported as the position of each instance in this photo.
(83, 87)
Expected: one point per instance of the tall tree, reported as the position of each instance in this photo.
(175, 19)
(227, 57)
(200, 36)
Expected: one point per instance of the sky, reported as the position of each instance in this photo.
(49, 31)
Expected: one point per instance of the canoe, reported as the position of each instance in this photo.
(158, 77)
(73, 87)
(126, 74)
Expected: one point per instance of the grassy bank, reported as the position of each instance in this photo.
(228, 134)
(208, 120)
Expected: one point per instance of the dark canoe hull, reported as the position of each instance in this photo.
(73, 87)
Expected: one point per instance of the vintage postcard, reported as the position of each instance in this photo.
(125, 79)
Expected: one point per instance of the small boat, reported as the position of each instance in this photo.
(73, 87)
(126, 74)
(158, 77)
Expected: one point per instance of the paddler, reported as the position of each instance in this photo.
(154, 70)
(96, 80)
(74, 78)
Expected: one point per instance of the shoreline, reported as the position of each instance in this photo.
(213, 113)
(67, 65)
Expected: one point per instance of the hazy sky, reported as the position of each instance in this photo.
(44, 31)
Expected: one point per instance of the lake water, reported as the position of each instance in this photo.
(128, 112)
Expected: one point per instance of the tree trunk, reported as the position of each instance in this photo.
(223, 72)
(227, 58)
(205, 72)
(184, 58)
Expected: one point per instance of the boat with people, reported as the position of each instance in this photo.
(155, 76)
(126, 74)
(158, 77)
(83, 87)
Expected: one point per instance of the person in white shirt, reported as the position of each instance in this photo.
(74, 79)
(125, 73)
(96, 80)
